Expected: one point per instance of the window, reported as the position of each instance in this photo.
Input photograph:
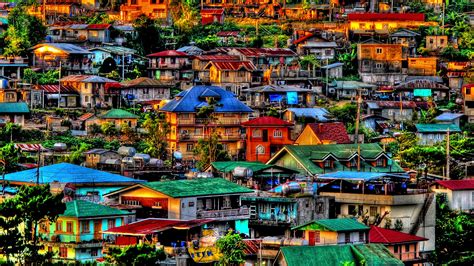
(347, 237)
(63, 252)
(241, 74)
(226, 202)
(191, 204)
(110, 223)
(69, 227)
(395, 249)
(257, 133)
(228, 131)
(378, 65)
(133, 2)
(59, 226)
(85, 227)
(225, 147)
(431, 41)
(328, 164)
(157, 204)
(361, 236)
(352, 210)
(50, 249)
(472, 196)
(277, 133)
(353, 163)
(328, 52)
(132, 202)
(378, 50)
(380, 162)
(226, 74)
(407, 247)
(260, 149)
(317, 236)
(94, 252)
(373, 211)
(189, 147)
(441, 41)
(468, 91)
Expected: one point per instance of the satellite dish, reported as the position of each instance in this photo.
(177, 155)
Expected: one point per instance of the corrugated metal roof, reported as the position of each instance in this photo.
(65, 47)
(82, 209)
(98, 26)
(233, 33)
(217, 57)
(437, 128)
(277, 88)
(87, 78)
(234, 65)
(386, 16)
(467, 184)
(262, 52)
(448, 116)
(168, 53)
(14, 108)
(266, 121)
(387, 236)
(153, 225)
(142, 82)
(363, 176)
(336, 225)
(320, 114)
(118, 114)
(334, 131)
(320, 45)
(55, 89)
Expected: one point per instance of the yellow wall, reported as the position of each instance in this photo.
(307, 137)
(390, 52)
(173, 204)
(422, 66)
(326, 237)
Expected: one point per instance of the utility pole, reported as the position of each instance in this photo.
(123, 66)
(38, 166)
(59, 84)
(447, 155)
(356, 135)
(442, 19)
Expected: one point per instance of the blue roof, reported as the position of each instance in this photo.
(333, 65)
(364, 176)
(448, 116)
(68, 173)
(189, 100)
(320, 114)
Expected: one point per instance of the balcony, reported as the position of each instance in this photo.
(222, 137)
(412, 197)
(226, 214)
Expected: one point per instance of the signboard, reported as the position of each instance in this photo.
(292, 97)
(422, 93)
(275, 97)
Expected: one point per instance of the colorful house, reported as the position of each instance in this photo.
(323, 133)
(232, 75)
(117, 117)
(334, 231)
(169, 66)
(155, 9)
(384, 24)
(144, 89)
(187, 127)
(73, 59)
(94, 91)
(14, 112)
(95, 157)
(212, 15)
(77, 233)
(403, 246)
(320, 159)
(468, 96)
(432, 133)
(265, 136)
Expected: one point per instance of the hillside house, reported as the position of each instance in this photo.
(155, 9)
(14, 112)
(459, 193)
(73, 59)
(468, 104)
(169, 66)
(323, 133)
(369, 24)
(117, 117)
(199, 63)
(144, 89)
(94, 91)
(95, 157)
(429, 134)
(436, 42)
(233, 76)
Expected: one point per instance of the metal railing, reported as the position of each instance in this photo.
(223, 213)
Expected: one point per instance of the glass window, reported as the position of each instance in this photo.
(380, 162)
(277, 133)
(361, 236)
(110, 223)
(189, 147)
(328, 164)
(407, 247)
(373, 211)
(69, 227)
(379, 50)
(257, 133)
(85, 227)
(347, 237)
(63, 252)
(59, 226)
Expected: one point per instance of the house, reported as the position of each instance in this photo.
(367, 254)
(423, 86)
(436, 42)
(322, 50)
(265, 58)
(187, 127)
(191, 49)
(155, 9)
(12, 67)
(333, 71)
(459, 193)
(117, 117)
(393, 110)
(334, 231)
(301, 116)
(229, 37)
(169, 66)
(383, 199)
(449, 118)
(422, 66)
(265, 96)
(350, 89)
(98, 33)
(14, 112)
(215, 15)
(265, 136)
(404, 247)
(122, 56)
(233, 76)
(323, 133)
(368, 24)
(144, 89)
(80, 122)
(319, 159)
(201, 61)
(94, 91)
(95, 157)
(376, 123)
(71, 58)
(84, 183)
(52, 92)
(67, 33)
(456, 72)
(200, 198)
(406, 38)
(77, 233)
(468, 104)
(429, 134)
(381, 63)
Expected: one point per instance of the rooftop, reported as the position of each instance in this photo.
(319, 114)
(233, 65)
(65, 47)
(83, 209)
(466, 184)
(387, 236)
(118, 114)
(386, 17)
(437, 128)
(154, 225)
(448, 117)
(336, 225)
(267, 121)
(14, 108)
(87, 78)
(168, 53)
(334, 132)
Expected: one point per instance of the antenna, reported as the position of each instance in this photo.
(38, 166)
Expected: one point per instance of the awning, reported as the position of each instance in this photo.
(29, 147)
(360, 176)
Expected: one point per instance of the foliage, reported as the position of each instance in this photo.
(30, 206)
(398, 226)
(77, 153)
(309, 61)
(345, 113)
(157, 133)
(185, 16)
(94, 129)
(232, 248)
(48, 77)
(108, 65)
(148, 36)
(348, 58)
(142, 254)
(272, 111)
(210, 150)
(415, 156)
(109, 129)
(9, 155)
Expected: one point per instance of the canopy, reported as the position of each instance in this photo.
(361, 176)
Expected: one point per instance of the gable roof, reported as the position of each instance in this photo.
(55, 88)
(142, 82)
(153, 225)
(387, 236)
(266, 121)
(190, 99)
(70, 173)
(14, 108)
(229, 166)
(335, 225)
(87, 78)
(465, 184)
(264, 52)
(82, 209)
(334, 131)
(232, 65)
(217, 57)
(448, 116)
(404, 33)
(168, 53)
(277, 88)
(98, 26)
(437, 128)
(65, 47)
(320, 114)
(231, 33)
(118, 114)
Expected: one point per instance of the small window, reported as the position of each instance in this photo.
(361, 236)
(94, 252)
(257, 133)
(191, 204)
(260, 149)
(347, 237)
(380, 162)
(63, 252)
(431, 41)
(378, 65)
(327, 164)
(395, 249)
(472, 196)
(441, 41)
(277, 133)
(85, 227)
(468, 91)
(110, 223)
(50, 249)
(373, 211)
(225, 147)
(379, 50)
(351, 210)
(59, 226)
(228, 131)
(407, 247)
(317, 236)
(189, 147)
(69, 227)
(226, 74)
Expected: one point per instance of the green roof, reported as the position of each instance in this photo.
(307, 155)
(229, 166)
(369, 254)
(118, 114)
(336, 225)
(197, 187)
(82, 208)
(433, 128)
(14, 108)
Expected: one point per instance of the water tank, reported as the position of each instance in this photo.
(290, 188)
(59, 146)
(127, 160)
(156, 162)
(127, 151)
(3, 83)
(242, 172)
(142, 157)
(113, 161)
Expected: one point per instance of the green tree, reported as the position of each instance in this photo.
(345, 113)
(272, 111)
(77, 153)
(9, 155)
(309, 62)
(148, 38)
(232, 248)
(108, 129)
(30, 206)
(142, 254)
(157, 133)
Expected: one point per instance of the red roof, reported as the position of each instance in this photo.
(55, 89)
(214, 11)
(168, 53)
(265, 52)
(233, 33)
(85, 116)
(335, 132)
(153, 225)
(251, 246)
(466, 184)
(98, 26)
(381, 16)
(29, 147)
(387, 236)
(234, 65)
(267, 121)
(304, 38)
(217, 57)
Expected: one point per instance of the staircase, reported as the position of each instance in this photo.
(421, 215)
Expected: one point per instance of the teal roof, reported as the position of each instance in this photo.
(309, 155)
(369, 255)
(336, 225)
(197, 187)
(14, 108)
(118, 114)
(437, 128)
(82, 208)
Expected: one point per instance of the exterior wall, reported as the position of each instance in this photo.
(468, 94)
(436, 42)
(458, 199)
(80, 191)
(270, 147)
(385, 27)
(395, 115)
(154, 9)
(188, 208)
(146, 94)
(93, 159)
(132, 122)
(430, 138)
(422, 66)
(353, 236)
(307, 137)
(289, 162)
(405, 252)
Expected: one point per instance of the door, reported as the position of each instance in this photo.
(264, 135)
(312, 238)
(97, 229)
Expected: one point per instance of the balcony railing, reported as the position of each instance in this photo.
(224, 214)
(202, 136)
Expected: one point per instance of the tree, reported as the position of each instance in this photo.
(108, 129)
(157, 133)
(309, 62)
(142, 254)
(210, 150)
(30, 206)
(232, 248)
(9, 155)
(345, 113)
(148, 37)
(108, 65)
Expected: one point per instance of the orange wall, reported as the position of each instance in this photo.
(253, 142)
